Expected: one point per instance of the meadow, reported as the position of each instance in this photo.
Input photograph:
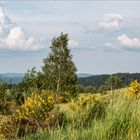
(115, 115)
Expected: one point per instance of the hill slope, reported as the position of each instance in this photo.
(98, 80)
(82, 75)
(11, 78)
(83, 79)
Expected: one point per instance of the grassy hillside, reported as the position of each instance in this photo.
(120, 121)
(43, 115)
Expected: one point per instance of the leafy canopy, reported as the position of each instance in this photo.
(59, 69)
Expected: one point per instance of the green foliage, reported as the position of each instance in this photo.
(102, 89)
(38, 113)
(94, 116)
(56, 119)
(5, 96)
(29, 81)
(34, 108)
(3, 88)
(59, 69)
(98, 80)
(88, 107)
(49, 93)
(121, 122)
(87, 89)
(113, 82)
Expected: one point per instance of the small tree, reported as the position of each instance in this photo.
(113, 82)
(91, 89)
(59, 69)
(29, 80)
(3, 96)
(102, 89)
(86, 89)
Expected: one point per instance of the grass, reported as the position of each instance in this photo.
(121, 122)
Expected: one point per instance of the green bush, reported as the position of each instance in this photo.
(87, 108)
(38, 114)
(56, 119)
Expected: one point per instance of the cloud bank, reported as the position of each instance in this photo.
(111, 21)
(129, 42)
(13, 37)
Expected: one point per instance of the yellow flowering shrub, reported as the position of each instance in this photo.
(134, 89)
(56, 119)
(31, 115)
(38, 113)
(7, 129)
(56, 98)
(88, 106)
(59, 99)
(35, 108)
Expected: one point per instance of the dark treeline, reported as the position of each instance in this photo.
(98, 80)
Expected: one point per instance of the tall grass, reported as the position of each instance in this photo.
(121, 122)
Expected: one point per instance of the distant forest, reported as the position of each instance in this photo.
(98, 80)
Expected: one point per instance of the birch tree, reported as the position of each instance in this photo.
(59, 69)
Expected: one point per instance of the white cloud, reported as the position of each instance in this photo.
(13, 37)
(109, 45)
(111, 21)
(129, 42)
(73, 44)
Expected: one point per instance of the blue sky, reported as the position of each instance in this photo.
(104, 36)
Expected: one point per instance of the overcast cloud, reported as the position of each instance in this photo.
(104, 36)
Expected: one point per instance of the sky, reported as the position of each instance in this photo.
(104, 36)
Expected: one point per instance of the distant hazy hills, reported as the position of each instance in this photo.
(15, 78)
(11, 78)
(11, 74)
(82, 75)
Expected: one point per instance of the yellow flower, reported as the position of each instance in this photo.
(134, 88)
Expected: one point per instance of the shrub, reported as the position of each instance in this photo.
(56, 119)
(134, 89)
(88, 107)
(7, 129)
(35, 108)
(56, 98)
(102, 90)
(38, 114)
(32, 113)
(7, 107)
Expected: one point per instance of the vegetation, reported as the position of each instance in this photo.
(48, 104)
(113, 82)
(111, 116)
(58, 69)
(98, 80)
